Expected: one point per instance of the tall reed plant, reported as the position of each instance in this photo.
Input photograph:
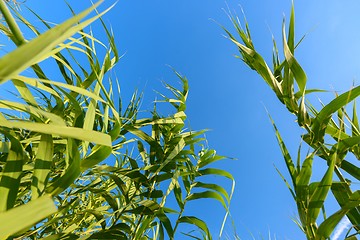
(78, 162)
(332, 134)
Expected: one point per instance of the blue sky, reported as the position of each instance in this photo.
(225, 95)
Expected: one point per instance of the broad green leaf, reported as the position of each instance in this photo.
(97, 155)
(209, 157)
(25, 216)
(214, 187)
(345, 144)
(215, 171)
(197, 222)
(151, 141)
(304, 176)
(207, 194)
(295, 67)
(30, 53)
(112, 233)
(335, 132)
(291, 33)
(136, 176)
(175, 151)
(11, 174)
(64, 131)
(256, 62)
(165, 221)
(70, 174)
(34, 111)
(171, 188)
(318, 197)
(4, 147)
(141, 150)
(35, 83)
(327, 227)
(42, 168)
(178, 196)
(25, 92)
(342, 193)
(308, 91)
(320, 123)
(89, 119)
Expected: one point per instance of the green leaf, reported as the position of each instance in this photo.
(25, 216)
(151, 141)
(320, 193)
(322, 119)
(64, 131)
(70, 174)
(288, 160)
(304, 176)
(327, 227)
(209, 157)
(33, 111)
(256, 62)
(42, 166)
(207, 194)
(291, 33)
(178, 194)
(214, 187)
(35, 82)
(197, 222)
(97, 155)
(308, 91)
(215, 171)
(355, 122)
(37, 49)
(295, 67)
(342, 193)
(344, 145)
(25, 92)
(165, 221)
(11, 174)
(175, 151)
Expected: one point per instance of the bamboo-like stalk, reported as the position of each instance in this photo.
(11, 22)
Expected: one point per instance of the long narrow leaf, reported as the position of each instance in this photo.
(25, 216)
(42, 166)
(10, 176)
(30, 53)
(320, 123)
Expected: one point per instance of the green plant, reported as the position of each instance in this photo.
(332, 133)
(74, 161)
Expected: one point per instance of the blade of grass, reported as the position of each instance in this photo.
(29, 53)
(25, 216)
(64, 131)
(320, 123)
(11, 174)
(42, 166)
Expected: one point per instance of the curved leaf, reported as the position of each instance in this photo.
(322, 119)
(25, 216)
(197, 222)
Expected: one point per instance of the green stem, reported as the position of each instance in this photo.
(14, 28)
(17, 37)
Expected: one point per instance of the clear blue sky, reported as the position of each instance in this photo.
(225, 95)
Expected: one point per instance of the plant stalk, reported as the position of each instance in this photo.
(11, 22)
